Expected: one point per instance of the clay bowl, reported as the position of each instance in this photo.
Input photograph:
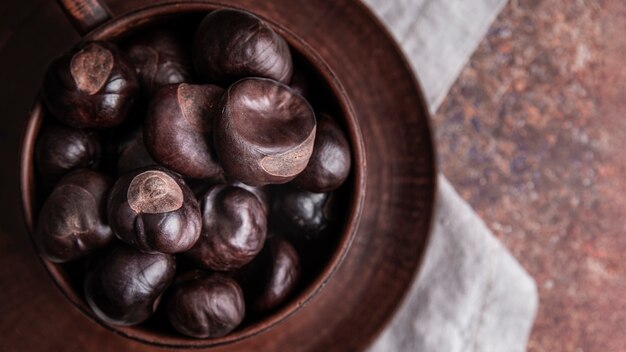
(389, 196)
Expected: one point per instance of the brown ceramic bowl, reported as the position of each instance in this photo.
(390, 192)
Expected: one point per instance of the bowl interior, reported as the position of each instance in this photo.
(329, 253)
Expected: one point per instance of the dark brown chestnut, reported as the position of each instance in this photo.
(233, 230)
(159, 59)
(153, 210)
(273, 276)
(260, 192)
(61, 149)
(265, 132)
(72, 222)
(299, 214)
(177, 129)
(132, 153)
(93, 86)
(329, 165)
(125, 285)
(232, 44)
(204, 305)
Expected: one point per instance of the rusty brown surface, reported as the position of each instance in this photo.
(533, 135)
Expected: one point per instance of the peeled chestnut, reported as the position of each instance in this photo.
(265, 132)
(72, 222)
(329, 165)
(233, 230)
(125, 285)
(232, 44)
(132, 153)
(299, 214)
(159, 59)
(204, 305)
(273, 276)
(62, 149)
(93, 86)
(177, 129)
(153, 210)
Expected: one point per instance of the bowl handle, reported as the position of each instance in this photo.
(85, 15)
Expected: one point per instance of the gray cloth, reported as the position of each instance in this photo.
(471, 294)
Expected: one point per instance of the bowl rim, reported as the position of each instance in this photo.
(116, 29)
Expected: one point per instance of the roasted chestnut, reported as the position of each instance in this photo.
(265, 132)
(177, 129)
(153, 210)
(62, 149)
(159, 59)
(132, 153)
(299, 214)
(204, 305)
(232, 44)
(72, 222)
(329, 165)
(125, 285)
(233, 230)
(93, 86)
(272, 276)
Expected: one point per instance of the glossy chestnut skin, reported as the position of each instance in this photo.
(61, 149)
(204, 305)
(177, 129)
(159, 59)
(72, 222)
(261, 193)
(234, 228)
(232, 44)
(265, 132)
(330, 162)
(132, 153)
(125, 285)
(153, 210)
(92, 86)
(299, 214)
(273, 276)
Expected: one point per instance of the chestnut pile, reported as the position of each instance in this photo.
(186, 183)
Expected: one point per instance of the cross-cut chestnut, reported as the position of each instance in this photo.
(272, 276)
(299, 214)
(204, 305)
(177, 129)
(232, 44)
(233, 230)
(61, 149)
(132, 153)
(330, 162)
(153, 210)
(93, 86)
(72, 222)
(265, 132)
(125, 285)
(159, 59)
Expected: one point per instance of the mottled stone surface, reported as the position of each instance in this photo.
(533, 136)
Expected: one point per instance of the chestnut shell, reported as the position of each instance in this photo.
(177, 129)
(92, 86)
(204, 305)
(153, 210)
(233, 44)
(233, 231)
(125, 285)
(61, 149)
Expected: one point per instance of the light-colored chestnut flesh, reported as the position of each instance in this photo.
(265, 132)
